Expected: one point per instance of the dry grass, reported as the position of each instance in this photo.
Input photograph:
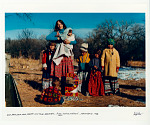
(28, 75)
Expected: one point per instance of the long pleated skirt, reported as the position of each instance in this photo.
(111, 85)
(65, 66)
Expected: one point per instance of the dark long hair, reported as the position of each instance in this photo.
(56, 25)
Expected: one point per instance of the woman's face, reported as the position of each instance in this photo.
(60, 25)
(83, 53)
(110, 46)
(96, 55)
(52, 47)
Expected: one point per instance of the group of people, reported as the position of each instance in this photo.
(97, 76)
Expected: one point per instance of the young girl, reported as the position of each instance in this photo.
(46, 62)
(83, 61)
(66, 64)
(52, 95)
(95, 85)
(110, 62)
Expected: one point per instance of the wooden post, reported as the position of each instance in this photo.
(7, 62)
(41, 54)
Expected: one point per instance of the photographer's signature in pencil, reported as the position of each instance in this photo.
(137, 113)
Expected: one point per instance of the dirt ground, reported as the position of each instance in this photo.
(28, 75)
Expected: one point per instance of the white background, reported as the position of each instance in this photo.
(107, 115)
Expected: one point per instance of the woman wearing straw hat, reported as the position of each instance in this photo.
(110, 62)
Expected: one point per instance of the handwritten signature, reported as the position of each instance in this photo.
(137, 113)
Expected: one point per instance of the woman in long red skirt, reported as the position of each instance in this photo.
(66, 64)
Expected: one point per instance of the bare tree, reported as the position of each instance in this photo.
(76, 48)
(26, 40)
(129, 38)
(23, 16)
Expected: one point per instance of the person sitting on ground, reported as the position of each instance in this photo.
(52, 95)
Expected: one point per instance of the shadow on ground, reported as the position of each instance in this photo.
(37, 98)
(131, 87)
(26, 73)
(135, 98)
(34, 85)
(20, 72)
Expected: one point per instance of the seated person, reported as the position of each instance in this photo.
(52, 95)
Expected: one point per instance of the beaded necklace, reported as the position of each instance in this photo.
(111, 53)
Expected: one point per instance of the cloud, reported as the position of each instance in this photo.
(13, 34)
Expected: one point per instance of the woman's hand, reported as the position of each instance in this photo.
(117, 70)
(58, 38)
(102, 68)
(57, 35)
(66, 41)
(95, 67)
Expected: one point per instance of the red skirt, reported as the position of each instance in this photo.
(65, 66)
(95, 85)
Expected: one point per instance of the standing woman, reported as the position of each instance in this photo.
(66, 64)
(110, 62)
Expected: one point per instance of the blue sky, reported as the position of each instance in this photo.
(81, 23)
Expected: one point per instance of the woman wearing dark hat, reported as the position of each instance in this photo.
(110, 62)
